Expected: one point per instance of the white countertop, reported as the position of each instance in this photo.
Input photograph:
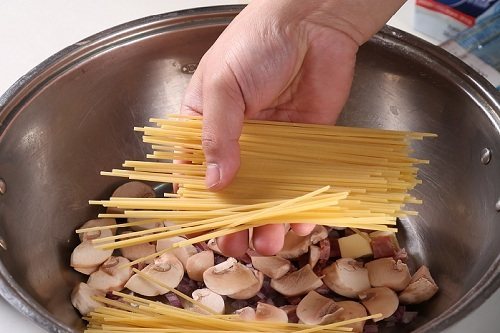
(31, 31)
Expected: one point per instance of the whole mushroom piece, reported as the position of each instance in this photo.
(381, 300)
(346, 277)
(420, 289)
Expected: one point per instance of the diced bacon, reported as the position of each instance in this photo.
(382, 247)
(324, 249)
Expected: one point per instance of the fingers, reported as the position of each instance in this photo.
(302, 229)
(234, 245)
(268, 240)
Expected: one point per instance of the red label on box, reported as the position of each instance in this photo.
(448, 11)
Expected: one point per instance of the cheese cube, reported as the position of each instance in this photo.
(355, 246)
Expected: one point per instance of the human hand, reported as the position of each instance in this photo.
(281, 60)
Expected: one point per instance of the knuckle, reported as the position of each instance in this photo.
(210, 143)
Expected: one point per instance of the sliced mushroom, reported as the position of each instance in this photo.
(421, 288)
(111, 276)
(132, 189)
(199, 263)
(315, 309)
(229, 277)
(297, 283)
(346, 277)
(86, 271)
(272, 266)
(135, 252)
(246, 313)
(318, 234)
(90, 235)
(381, 300)
(352, 310)
(314, 255)
(210, 299)
(81, 298)
(268, 312)
(145, 226)
(295, 245)
(252, 290)
(386, 272)
(182, 253)
(167, 269)
(212, 245)
(85, 255)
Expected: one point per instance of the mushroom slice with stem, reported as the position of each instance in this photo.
(132, 189)
(381, 300)
(82, 298)
(421, 288)
(91, 235)
(268, 312)
(208, 298)
(85, 255)
(272, 266)
(346, 277)
(182, 253)
(199, 263)
(212, 245)
(315, 309)
(135, 252)
(253, 289)
(166, 269)
(111, 275)
(297, 283)
(386, 272)
(294, 245)
(229, 277)
(352, 310)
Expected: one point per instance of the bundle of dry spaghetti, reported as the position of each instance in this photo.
(294, 173)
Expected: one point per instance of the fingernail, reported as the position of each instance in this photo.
(212, 176)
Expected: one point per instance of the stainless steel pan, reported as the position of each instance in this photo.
(72, 116)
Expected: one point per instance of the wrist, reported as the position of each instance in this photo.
(358, 19)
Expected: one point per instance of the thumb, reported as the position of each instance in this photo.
(223, 115)
(218, 99)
